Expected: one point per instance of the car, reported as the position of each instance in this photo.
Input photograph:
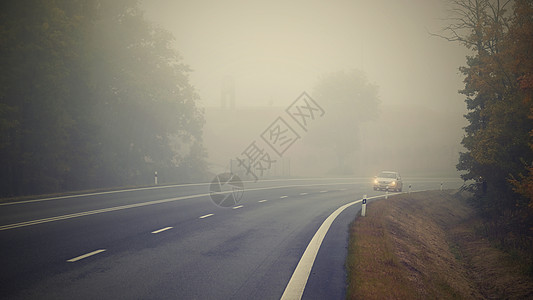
(388, 181)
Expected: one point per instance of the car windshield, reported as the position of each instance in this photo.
(387, 175)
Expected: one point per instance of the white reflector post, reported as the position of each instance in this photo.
(363, 207)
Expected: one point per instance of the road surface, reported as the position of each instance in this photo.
(172, 242)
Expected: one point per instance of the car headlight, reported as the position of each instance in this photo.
(375, 181)
(393, 183)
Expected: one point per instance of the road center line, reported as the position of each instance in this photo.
(295, 287)
(103, 193)
(166, 187)
(75, 259)
(161, 230)
(206, 216)
(116, 208)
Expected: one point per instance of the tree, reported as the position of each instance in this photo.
(490, 86)
(348, 99)
(143, 101)
(498, 97)
(92, 95)
(521, 33)
(36, 45)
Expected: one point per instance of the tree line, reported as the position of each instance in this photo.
(92, 95)
(498, 90)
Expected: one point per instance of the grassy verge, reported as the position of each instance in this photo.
(373, 268)
(424, 246)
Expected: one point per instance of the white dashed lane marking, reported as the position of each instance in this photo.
(161, 230)
(237, 207)
(282, 197)
(303, 194)
(75, 259)
(261, 201)
(118, 208)
(206, 216)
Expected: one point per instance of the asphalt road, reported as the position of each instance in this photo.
(173, 243)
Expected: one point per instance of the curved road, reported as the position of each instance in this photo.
(172, 242)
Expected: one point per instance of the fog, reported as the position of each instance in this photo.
(261, 55)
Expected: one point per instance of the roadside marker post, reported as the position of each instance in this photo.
(363, 207)
(155, 177)
(409, 189)
(441, 185)
(387, 194)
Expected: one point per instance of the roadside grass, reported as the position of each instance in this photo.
(425, 246)
(374, 270)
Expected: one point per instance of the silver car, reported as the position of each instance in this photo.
(388, 181)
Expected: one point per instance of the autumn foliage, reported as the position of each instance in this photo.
(498, 139)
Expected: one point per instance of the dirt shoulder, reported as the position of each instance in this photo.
(425, 246)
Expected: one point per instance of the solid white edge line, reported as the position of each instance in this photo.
(206, 216)
(296, 286)
(358, 180)
(161, 230)
(75, 259)
(102, 193)
(141, 204)
(97, 211)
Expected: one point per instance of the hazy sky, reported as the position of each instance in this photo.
(276, 49)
